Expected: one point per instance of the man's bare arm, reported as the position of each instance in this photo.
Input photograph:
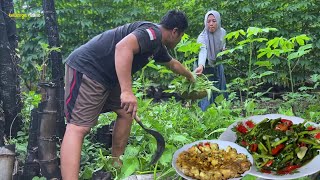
(178, 68)
(124, 52)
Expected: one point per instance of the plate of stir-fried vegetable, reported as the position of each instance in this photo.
(212, 160)
(283, 147)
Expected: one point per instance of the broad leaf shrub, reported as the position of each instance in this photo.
(266, 55)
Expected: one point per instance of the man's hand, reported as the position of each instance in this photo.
(199, 70)
(191, 77)
(129, 103)
(178, 68)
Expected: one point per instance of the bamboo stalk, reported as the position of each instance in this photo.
(48, 160)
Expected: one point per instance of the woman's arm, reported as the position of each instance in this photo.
(201, 59)
(202, 56)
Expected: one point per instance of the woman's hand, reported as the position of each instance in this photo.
(199, 70)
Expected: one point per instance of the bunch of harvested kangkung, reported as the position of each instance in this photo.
(205, 161)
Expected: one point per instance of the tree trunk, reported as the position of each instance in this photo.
(47, 153)
(9, 84)
(7, 7)
(55, 59)
(31, 166)
(1, 125)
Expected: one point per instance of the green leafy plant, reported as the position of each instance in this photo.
(287, 50)
(188, 46)
(200, 88)
(42, 69)
(151, 75)
(304, 101)
(252, 74)
(30, 100)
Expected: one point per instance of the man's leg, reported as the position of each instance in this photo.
(71, 151)
(84, 100)
(121, 132)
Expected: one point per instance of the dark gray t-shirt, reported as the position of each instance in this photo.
(96, 57)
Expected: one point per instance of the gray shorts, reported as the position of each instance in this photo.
(85, 98)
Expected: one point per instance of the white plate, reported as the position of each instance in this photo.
(222, 145)
(308, 169)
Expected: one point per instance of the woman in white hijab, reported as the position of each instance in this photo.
(212, 40)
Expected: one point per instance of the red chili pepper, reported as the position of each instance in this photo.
(207, 144)
(282, 127)
(253, 147)
(265, 171)
(288, 169)
(244, 143)
(310, 128)
(287, 122)
(317, 136)
(301, 144)
(269, 163)
(254, 138)
(277, 149)
(250, 124)
(242, 129)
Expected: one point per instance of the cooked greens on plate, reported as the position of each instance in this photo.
(278, 145)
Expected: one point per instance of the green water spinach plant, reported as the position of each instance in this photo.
(171, 119)
(200, 88)
(94, 158)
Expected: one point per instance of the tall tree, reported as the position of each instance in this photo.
(9, 83)
(56, 60)
(2, 122)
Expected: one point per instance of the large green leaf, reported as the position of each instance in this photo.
(130, 164)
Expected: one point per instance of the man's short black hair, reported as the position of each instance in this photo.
(175, 19)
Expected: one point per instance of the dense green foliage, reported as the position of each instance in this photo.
(80, 20)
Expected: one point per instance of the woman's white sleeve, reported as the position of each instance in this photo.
(202, 56)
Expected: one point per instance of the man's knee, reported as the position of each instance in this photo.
(81, 130)
(121, 113)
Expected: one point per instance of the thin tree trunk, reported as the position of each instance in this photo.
(56, 60)
(47, 153)
(31, 166)
(1, 125)
(9, 84)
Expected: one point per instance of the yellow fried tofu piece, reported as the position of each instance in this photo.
(208, 162)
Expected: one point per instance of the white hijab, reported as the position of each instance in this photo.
(214, 42)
